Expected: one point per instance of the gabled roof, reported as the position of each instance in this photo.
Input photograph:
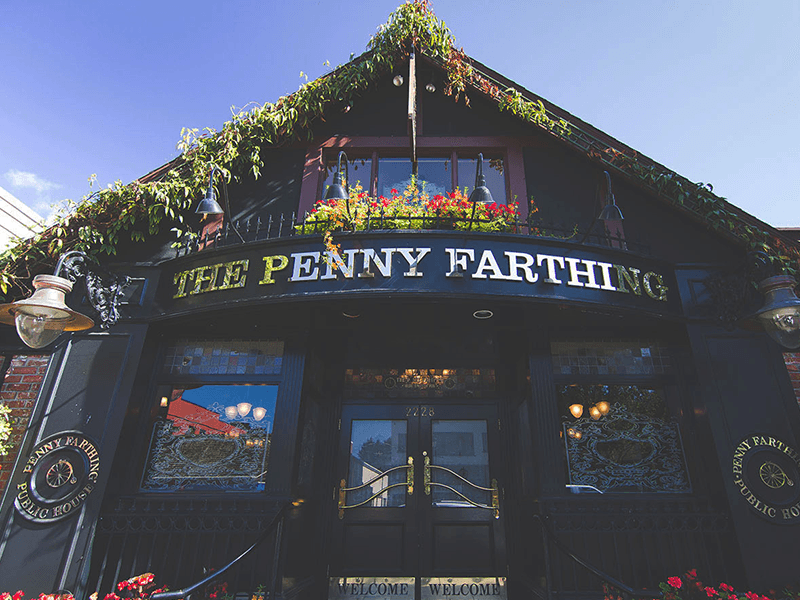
(141, 208)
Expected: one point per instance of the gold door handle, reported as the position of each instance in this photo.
(495, 499)
(343, 489)
(427, 474)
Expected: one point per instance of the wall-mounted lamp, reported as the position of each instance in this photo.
(259, 412)
(481, 193)
(780, 315)
(243, 408)
(41, 318)
(603, 407)
(595, 413)
(209, 205)
(231, 412)
(576, 410)
(340, 190)
(397, 80)
(611, 211)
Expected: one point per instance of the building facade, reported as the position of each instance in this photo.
(455, 406)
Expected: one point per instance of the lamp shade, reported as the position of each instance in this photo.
(780, 315)
(611, 212)
(336, 190)
(481, 193)
(209, 204)
(576, 410)
(41, 318)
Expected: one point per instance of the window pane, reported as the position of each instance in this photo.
(212, 437)
(434, 175)
(461, 448)
(493, 171)
(621, 438)
(360, 172)
(376, 447)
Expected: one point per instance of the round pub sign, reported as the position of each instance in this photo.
(767, 473)
(60, 473)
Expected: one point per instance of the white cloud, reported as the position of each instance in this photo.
(23, 179)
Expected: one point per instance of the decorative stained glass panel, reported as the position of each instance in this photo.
(212, 437)
(224, 357)
(610, 357)
(620, 438)
(420, 383)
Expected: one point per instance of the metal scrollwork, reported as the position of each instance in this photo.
(104, 290)
(104, 294)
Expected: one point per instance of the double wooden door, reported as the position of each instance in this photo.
(419, 492)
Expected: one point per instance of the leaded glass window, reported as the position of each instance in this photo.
(610, 357)
(621, 438)
(224, 357)
(212, 437)
(420, 383)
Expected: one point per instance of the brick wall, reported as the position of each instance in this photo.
(19, 392)
(792, 360)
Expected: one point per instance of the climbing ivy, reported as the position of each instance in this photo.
(141, 209)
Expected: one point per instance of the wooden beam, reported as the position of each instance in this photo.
(412, 109)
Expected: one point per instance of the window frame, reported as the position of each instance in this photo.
(276, 481)
(510, 148)
(671, 393)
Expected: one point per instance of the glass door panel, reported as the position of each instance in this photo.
(460, 464)
(378, 463)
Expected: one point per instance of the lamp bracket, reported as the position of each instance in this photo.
(103, 289)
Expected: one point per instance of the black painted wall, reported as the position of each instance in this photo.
(86, 388)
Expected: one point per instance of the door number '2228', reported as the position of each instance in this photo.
(419, 411)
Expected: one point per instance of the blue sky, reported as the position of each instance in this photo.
(709, 89)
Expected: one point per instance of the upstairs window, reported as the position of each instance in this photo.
(379, 173)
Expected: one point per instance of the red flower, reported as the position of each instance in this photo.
(395, 192)
(19, 595)
(675, 582)
(691, 574)
(711, 592)
(725, 587)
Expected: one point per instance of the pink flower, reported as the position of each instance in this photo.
(675, 582)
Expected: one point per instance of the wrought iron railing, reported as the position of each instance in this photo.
(592, 539)
(551, 540)
(190, 543)
(275, 526)
(273, 227)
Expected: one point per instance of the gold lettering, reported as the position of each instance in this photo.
(624, 277)
(274, 263)
(657, 291)
(203, 275)
(180, 283)
(235, 274)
